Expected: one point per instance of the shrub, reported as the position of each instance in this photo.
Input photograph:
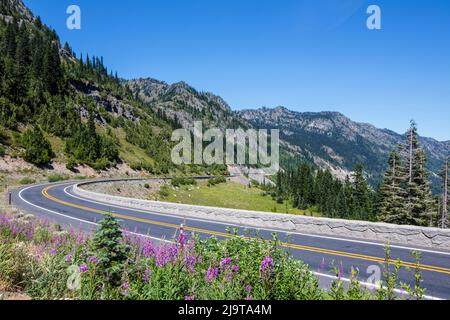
(216, 180)
(27, 180)
(56, 178)
(183, 181)
(38, 149)
(164, 192)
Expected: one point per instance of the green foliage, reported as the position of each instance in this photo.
(183, 181)
(405, 196)
(27, 180)
(107, 245)
(216, 180)
(38, 149)
(67, 265)
(309, 188)
(56, 177)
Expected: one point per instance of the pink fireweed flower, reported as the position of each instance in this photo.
(212, 274)
(166, 254)
(182, 238)
(190, 263)
(266, 264)
(225, 263)
(146, 277)
(266, 268)
(83, 268)
(125, 287)
(148, 250)
(341, 270)
(92, 259)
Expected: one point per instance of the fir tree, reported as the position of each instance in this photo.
(363, 200)
(444, 218)
(391, 194)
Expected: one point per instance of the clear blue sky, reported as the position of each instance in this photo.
(307, 55)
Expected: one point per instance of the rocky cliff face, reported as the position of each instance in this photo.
(184, 104)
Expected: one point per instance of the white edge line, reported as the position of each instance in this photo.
(167, 241)
(255, 228)
(81, 220)
(370, 285)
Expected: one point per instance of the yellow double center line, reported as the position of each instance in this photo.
(227, 235)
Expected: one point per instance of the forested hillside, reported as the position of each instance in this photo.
(46, 91)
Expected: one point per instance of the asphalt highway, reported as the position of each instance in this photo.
(57, 203)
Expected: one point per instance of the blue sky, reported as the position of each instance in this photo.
(307, 55)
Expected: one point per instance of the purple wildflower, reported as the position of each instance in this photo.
(235, 268)
(182, 238)
(53, 251)
(225, 263)
(69, 258)
(92, 259)
(125, 287)
(190, 263)
(190, 297)
(83, 268)
(148, 250)
(212, 274)
(266, 268)
(166, 254)
(341, 270)
(248, 298)
(147, 275)
(266, 264)
(248, 288)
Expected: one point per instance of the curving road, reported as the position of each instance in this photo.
(56, 202)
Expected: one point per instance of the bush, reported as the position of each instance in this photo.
(38, 149)
(12, 265)
(183, 181)
(27, 180)
(56, 178)
(216, 180)
(2, 151)
(164, 192)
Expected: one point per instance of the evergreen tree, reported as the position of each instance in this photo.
(392, 194)
(362, 194)
(419, 199)
(37, 148)
(444, 218)
(108, 246)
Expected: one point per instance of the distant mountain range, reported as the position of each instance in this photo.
(327, 139)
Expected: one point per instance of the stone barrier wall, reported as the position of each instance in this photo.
(362, 230)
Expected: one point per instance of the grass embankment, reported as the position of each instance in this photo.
(47, 263)
(230, 195)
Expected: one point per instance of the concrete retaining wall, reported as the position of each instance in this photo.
(382, 232)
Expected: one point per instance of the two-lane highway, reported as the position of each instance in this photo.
(57, 202)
